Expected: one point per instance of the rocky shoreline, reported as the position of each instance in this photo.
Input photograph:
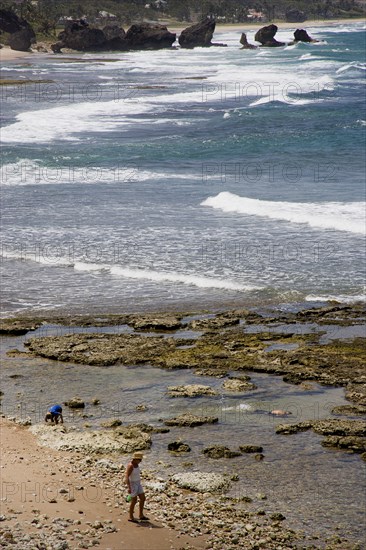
(218, 344)
(237, 340)
(193, 504)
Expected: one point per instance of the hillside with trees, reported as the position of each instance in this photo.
(47, 16)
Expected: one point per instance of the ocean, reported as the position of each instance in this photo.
(205, 178)
(191, 179)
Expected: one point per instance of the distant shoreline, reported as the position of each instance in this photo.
(7, 54)
(280, 24)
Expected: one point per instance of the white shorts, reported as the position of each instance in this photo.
(136, 488)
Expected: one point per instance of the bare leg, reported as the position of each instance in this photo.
(132, 507)
(142, 499)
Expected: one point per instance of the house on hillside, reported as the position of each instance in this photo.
(254, 15)
(106, 16)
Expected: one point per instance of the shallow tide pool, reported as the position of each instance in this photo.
(317, 489)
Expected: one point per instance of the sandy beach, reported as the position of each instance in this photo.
(7, 54)
(38, 486)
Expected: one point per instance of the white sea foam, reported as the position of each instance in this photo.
(240, 407)
(352, 65)
(341, 216)
(84, 114)
(281, 99)
(306, 56)
(28, 172)
(72, 119)
(336, 28)
(199, 281)
(342, 298)
(48, 257)
(173, 277)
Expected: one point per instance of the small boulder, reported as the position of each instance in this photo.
(141, 408)
(75, 403)
(219, 451)
(203, 482)
(250, 448)
(179, 447)
(277, 516)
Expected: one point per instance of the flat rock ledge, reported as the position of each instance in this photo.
(238, 385)
(214, 323)
(202, 482)
(191, 420)
(353, 444)
(346, 435)
(101, 349)
(326, 427)
(123, 440)
(350, 410)
(191, 390)
(149, 322)
(17, 327)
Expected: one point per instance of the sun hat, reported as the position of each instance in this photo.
(139, 456)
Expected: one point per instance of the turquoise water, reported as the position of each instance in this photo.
(172, 179)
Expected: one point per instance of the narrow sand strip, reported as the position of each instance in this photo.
(7, 54)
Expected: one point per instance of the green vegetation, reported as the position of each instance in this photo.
(46, 16)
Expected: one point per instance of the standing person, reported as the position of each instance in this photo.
(54, 414)
(133, 482)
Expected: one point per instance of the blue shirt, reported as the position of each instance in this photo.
(56, 409)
